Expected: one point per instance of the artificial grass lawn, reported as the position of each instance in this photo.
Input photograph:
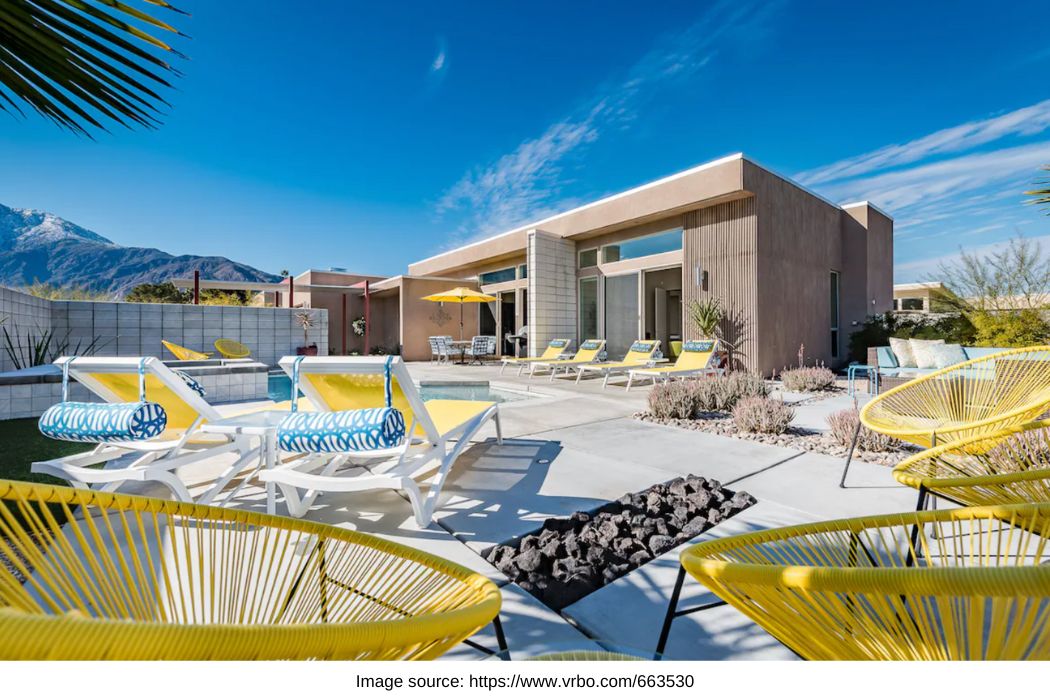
(21, 444)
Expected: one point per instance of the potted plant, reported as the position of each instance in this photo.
(707, 315)
(358, 326)
(305, 320)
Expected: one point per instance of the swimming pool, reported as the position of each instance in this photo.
(279, 388)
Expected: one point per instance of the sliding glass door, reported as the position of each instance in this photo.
(621, 314)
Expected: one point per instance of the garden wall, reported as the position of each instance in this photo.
(21, 314)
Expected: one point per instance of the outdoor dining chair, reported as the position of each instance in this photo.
(93, 575)
(964, 584)
(1009, 466)
(969, 399)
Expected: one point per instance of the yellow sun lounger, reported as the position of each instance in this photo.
(123, 380)
(555, 349)
(587, 354)
(436, 433)
(182, 353)
(698, 357)
(641, 354)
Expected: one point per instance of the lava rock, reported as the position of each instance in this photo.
(695, 526)
(660, 543)
(530, 560)
(639, 558)
(529, 542)
(554, 549)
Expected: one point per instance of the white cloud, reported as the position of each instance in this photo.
(439, 62)
(529, 182)
(1026, 121)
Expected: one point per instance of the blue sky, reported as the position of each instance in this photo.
(369, 135)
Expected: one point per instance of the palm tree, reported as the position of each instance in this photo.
(1042, 195)
(78, 64)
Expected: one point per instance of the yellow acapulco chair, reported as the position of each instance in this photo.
(970, 399)
(976, 586)
(1009, 466)
(231, 349)
(109, 576)
(182, 353)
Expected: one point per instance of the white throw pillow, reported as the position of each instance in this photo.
(902, 349)
(923, 352)
(947, 355)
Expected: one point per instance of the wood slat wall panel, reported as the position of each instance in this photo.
(723, 240)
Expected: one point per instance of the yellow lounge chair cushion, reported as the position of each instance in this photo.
(448, 414)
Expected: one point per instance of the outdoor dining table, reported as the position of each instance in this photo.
(461, 346)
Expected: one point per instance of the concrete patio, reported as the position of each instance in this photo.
(572, 447)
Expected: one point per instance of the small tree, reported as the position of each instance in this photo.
(163, 293)
(707, 314)
(305, 320)
(1003, 293)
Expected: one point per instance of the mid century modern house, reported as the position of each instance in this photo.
(790, 267)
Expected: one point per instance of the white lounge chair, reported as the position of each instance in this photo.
(698, 357)
(122, 380)
(356, 384)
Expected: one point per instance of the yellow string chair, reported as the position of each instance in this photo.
(976, 397)
(182, 353)
(1009, 466)
(970, 583)
(231, 349)
(95, 575)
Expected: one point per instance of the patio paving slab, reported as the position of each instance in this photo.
(531, 628)
(496, 493)
(631, 609)
(675, 451)
(810, 482)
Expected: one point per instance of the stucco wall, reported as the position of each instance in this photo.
(421, 319)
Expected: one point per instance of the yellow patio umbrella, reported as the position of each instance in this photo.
(460, 295)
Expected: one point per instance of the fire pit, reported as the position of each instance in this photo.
(569, 558)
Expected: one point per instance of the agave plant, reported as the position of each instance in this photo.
(707, 314)
(81, 62)
(44, 347)
(1041, 195)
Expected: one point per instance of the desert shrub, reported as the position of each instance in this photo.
(672, 400)
(843, 423)
(687, 399)
(1010, 329)
(760, 414)
(808, 379)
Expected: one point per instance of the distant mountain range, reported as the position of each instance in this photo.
(36, 246)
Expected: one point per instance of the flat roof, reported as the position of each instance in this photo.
(604, 201)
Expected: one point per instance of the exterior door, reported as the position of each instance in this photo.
(621, 313)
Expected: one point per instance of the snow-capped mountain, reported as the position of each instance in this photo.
(39, 246)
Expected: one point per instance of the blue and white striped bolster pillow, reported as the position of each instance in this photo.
(641, 346)
(342, 431)
(698, 345)
(103, 422)
(191, 383)
(590, 345)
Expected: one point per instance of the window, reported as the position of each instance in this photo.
(496, 276)
(640, 247)
(589, 257)
(911, 305)
(834, 314)
(523, 272)
(588, 308)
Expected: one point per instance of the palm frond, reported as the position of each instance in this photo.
(1041, 196)
(81, 63)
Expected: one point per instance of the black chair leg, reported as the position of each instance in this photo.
(672, 607)
(501, 639)
(849, 456)
(914, 553)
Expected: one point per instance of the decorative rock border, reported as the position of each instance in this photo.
(794, 438)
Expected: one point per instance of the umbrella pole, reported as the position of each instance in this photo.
(461, 321)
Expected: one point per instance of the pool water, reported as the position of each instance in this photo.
(279, 388)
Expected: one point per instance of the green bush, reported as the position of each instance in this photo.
(1011, 329)
(877, 331)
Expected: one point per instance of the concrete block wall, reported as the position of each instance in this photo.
(136, 329)
(552, 289)
(21, 314)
